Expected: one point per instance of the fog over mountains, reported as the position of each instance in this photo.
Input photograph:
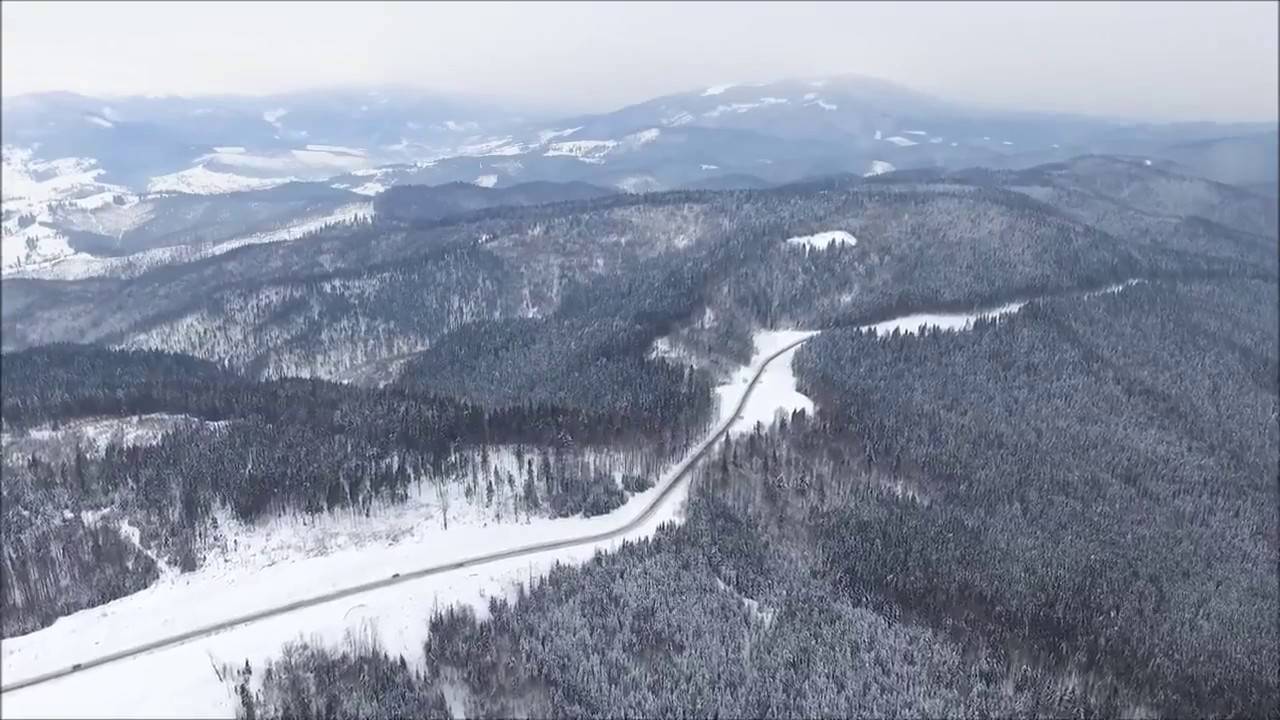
(779, 131)
(76, 164)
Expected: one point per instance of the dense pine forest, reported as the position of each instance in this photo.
(1068, 511)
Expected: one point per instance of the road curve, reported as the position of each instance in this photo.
(673, 479)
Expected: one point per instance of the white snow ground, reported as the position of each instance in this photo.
(824, 240)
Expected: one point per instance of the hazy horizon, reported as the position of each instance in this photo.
(1141, 61)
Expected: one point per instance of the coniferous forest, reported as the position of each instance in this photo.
(916, 549)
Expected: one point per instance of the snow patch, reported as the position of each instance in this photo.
(81, 265)
(638, 184)
(95, 434)
(719, 110)
(644, 137)
(486, 181)
(585, 150)
(33, 246)
(229, 149)
(546, 136)
(100, 122)
(901, 141)
(369, 188)
(200, 180)
(912, 324)
(97, 201)
(328, 159)
(775, 391)
(30, 186)
(338, 149)
(1113, 289)
(680, 118)
(710, 167)
(879, 167)
(717, 89)
(824, 240)
(495, 146)
(915, 132)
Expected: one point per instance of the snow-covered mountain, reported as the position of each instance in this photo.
(137, 138)
(368, 140)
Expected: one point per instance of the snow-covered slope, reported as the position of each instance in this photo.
(76, 266)
(33, 189)
(200, 180)
(30, 183)
(33, 246)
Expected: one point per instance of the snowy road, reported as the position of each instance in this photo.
(669, 483)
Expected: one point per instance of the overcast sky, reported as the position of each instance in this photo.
(1144, 60)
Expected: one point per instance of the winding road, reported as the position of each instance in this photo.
(672, 480)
